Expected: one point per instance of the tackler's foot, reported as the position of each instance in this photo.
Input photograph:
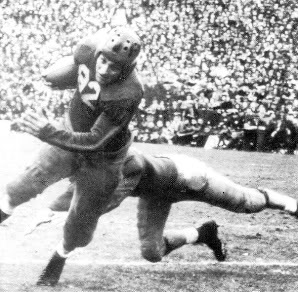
(3, 216)
(275, 200)
(295, 214)
(208, 234)
(52, 272)
(265, 193)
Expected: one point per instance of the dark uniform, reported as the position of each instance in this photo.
(92, 143)
(160, 181)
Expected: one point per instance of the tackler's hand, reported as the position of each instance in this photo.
(33, 123)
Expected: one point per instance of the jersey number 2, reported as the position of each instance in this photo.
(91, 86)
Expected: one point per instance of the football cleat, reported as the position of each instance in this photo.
(3, 216)
(52, 272)
(208, 234)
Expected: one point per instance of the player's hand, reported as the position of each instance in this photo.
(15, 126)
(33, 123)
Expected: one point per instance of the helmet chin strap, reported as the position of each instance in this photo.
(127, 70)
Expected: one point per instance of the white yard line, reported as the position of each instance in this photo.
(144, 263)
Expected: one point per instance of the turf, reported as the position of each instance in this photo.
(263, 252)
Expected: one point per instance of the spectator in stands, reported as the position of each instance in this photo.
(253, 44)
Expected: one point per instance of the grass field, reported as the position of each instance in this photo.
(263, 251)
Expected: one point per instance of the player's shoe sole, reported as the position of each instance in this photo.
(52, 272)
(208, 234)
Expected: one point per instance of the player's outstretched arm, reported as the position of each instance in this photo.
(106, 127)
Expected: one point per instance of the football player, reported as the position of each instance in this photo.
(160, 181)
(92, 142)
(91, 146)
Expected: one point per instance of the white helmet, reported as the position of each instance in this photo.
(122, 46)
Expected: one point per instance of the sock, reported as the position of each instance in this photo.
(5, 206)
(291, 206)
(62, 251)
(191, 235)
(275, 200)
(176, 238)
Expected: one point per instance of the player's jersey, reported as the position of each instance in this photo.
(99, 115)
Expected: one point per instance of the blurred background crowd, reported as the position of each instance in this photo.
(225, 69)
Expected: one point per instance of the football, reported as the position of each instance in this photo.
(62, 74)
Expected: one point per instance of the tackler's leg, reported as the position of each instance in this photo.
(152, 217)
(205, 184)
(280, 201)
(223, 192)
(155, 243)
(207, 234)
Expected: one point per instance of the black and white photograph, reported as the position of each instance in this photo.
(149, 145)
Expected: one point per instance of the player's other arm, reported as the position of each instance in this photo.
(63, 73)
(112, 121)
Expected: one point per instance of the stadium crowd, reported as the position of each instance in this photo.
(220, 67)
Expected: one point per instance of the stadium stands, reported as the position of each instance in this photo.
(224, 67)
